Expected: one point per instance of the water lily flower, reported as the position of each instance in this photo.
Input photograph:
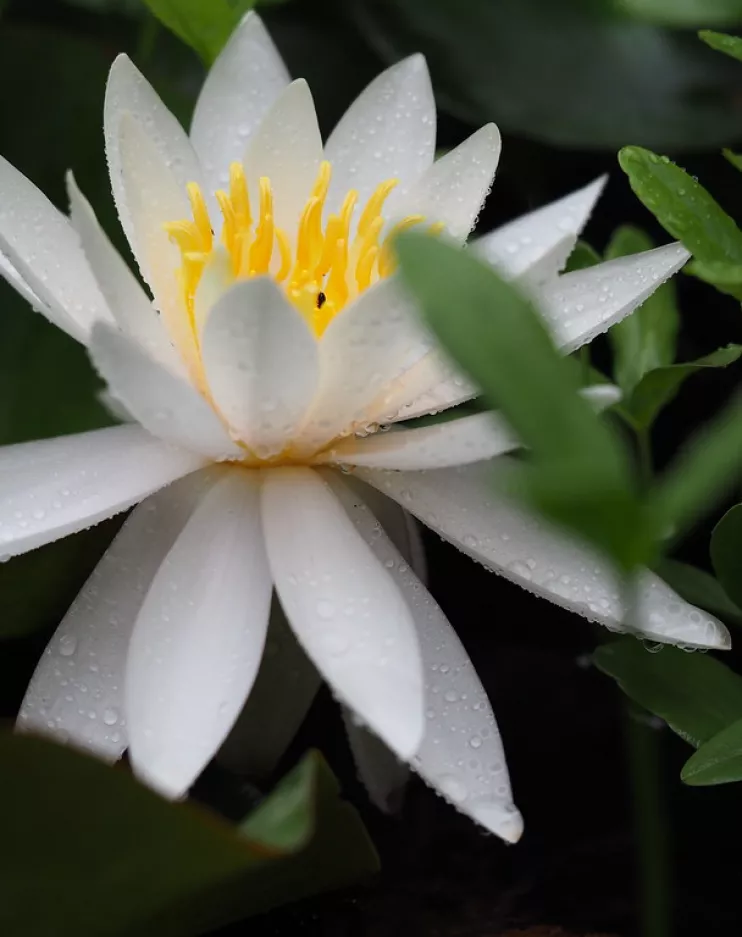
(255, 385)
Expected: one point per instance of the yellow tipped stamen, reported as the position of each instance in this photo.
(284, 248)
(259, 256)
(438, 228)
(201, 215)
(364, 268)
(333, 234)
(239, 194)
(184, 235)
(322, 184)
(387, 262)
(374, 205)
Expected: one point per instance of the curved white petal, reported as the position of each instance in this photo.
(43, 249)
(585, 303)
(461, 755)
(239, 89)
(129, 92)
(387, 133)
(129, 304)
(455, 187)
(76, 693)
(364, 350)
(463, 506)
(152, 196)
(382, 774)
(9, 273)
(261, 363)
(198, 638)
(52, 488)
(166, 406)
(287, 148)
(537, 245)
(348, 615)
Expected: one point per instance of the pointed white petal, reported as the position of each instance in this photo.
(129, 304)
(166, 406)
(461, 755)
(129, 92)
(455, 187)
(8, 272)
(52, 488)
(348, 615)
(239, 89)
(382, 774)
(387, 133)
(43, 249)
(364, 350)
(585, 303)
(287, 148)
(198, 638)
(463, 506)
(284, 689)
(536, 246)
(261, 363)
(76, 693)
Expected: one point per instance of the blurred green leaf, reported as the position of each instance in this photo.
(717, 761)
(88, 851)
(734, 158)
(699, 588)
(132, 7)
(725, 277)
(523, 64)
(205, 26)
(695, 694)
(726, 553)
(582, 256)
(730, 45)
(657, 388)
(684, 13)
(646, 339)
(580, 473)
(682, 206)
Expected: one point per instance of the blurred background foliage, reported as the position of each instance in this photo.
(570, 82)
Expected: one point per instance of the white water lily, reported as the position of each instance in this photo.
(278, 343)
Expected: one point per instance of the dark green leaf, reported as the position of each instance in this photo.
(730, 45)
(205, 26)
(682, 206)
(645, 340)
(734, 158)
(726, 553)
(150, 868)
(726, 277)
(582, 256)
(717, 761)
(695, 694)
(580, 475)
(657, 388)
(523, 64)
(699, 588)
(684, 13)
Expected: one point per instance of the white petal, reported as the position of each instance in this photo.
(364, 350)
(461, 755)
(76, 694)
(387, 133)
(43, 248)
(348, 615)
(261, 363)
(129, 304)
(463, 506)
(129, 92)
(9, 273)
(284, 689)
(287, 148)
(168, 407)
(152, 196)
(382, 774)
(455, 187)
(199, 637)
(536, 246)
(585, 303)
(52, 488)
(239, 89)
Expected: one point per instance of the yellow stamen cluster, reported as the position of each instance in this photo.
(322, 268)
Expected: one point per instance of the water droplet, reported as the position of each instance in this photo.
(67, 645)
(110, 717)
(452, 788)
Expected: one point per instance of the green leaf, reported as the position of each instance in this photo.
(645, 340)
(88, 851)
(718, 761)
(699, 588)
(205, 26)
(682, 206)
(582, 257)
(505, 50)
(581, 473)
(657, 388)
(695, 694)
(729, 45)
(734, 158)
(726, 553)
(702, 474)
(725, 277)
(684, 13)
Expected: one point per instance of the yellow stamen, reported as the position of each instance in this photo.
(201, 216)
(239, 194)
(374, 205)
(387, 262)
(285, 249)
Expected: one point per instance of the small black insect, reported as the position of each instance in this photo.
(321, 300)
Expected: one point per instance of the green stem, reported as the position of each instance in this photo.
(650, 824)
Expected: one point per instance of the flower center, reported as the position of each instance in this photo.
(322, 267)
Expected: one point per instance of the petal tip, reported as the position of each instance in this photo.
(504, 820)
